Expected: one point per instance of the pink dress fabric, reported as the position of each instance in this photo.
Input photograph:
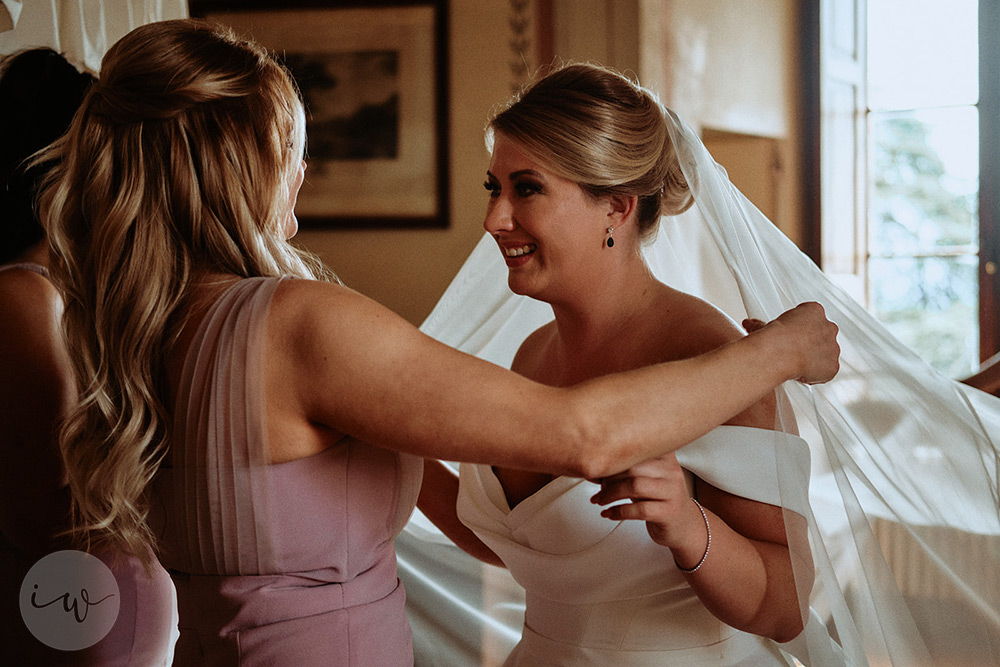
(275, 564)
(144, 629)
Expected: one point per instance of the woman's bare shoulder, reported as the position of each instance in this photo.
(695, 326)
(32, 350)
(532, 350)
(311, 318)
(305, 303)
(28, 301)
(27, 284)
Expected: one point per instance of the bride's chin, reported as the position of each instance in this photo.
(519, 287)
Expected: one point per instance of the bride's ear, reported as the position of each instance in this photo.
(622, 208)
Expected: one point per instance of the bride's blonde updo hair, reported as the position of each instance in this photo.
(592, 125)
(178, 162)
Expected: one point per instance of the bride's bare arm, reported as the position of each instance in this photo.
(360, 369)
(438, 496)
(743, 574)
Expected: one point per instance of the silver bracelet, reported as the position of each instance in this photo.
(708, 546)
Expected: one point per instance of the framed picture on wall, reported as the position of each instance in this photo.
(373, 76)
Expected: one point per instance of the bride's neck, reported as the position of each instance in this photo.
(605, 313)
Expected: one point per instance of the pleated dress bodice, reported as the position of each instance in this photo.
(280, 560)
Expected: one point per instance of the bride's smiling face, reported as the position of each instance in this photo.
(549, 230)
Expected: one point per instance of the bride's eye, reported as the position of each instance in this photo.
(527, 188)
(492, 188)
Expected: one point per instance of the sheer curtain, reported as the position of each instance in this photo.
(905, 483)
(82, 30)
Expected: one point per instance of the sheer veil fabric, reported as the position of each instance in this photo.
(904, 534)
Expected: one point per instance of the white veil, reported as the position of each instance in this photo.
(905, 487)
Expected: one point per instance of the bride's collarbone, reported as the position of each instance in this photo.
(568, 367)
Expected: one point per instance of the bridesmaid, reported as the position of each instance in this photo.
(39, 93)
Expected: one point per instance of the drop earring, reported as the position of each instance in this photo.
(610, 240)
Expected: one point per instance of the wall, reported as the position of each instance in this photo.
(408, 270)
(736, 72)
(723, 65)
(82, 30)
(727, 67)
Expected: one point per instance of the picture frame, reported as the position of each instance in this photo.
(373, 76)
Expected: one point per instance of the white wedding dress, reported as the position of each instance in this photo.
(903, 487)
(601, 592)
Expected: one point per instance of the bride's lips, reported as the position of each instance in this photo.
(517, 255)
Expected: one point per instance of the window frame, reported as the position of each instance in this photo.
(812, 49)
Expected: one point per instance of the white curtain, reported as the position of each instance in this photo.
(82, 30)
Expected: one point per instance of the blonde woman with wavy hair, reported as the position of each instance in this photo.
(258, 424)
(158, 189)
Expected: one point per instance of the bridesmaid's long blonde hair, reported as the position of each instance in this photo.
(178, 161)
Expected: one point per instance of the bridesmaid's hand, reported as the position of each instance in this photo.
(811, 339)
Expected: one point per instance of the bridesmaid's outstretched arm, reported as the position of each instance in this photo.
(395, 387)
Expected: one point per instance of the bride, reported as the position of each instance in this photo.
(753, 545)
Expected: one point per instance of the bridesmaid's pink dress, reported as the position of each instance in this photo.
(275, 564)
(145, 627)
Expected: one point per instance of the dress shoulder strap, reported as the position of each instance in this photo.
(219, 442)
(27, 266)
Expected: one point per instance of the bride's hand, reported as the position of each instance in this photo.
(657, 493)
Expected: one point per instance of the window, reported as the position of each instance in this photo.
(923, 177)
(907, 109)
